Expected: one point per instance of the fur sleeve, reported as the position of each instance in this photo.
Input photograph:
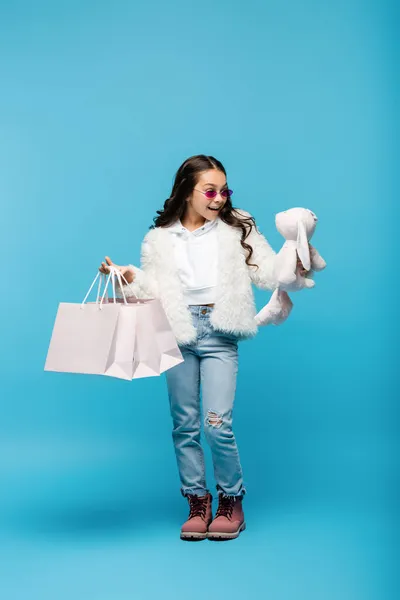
(263, 256)
(145, 283)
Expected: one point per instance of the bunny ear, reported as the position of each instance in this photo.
(303, 249)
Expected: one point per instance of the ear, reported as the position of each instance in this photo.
(302, 245)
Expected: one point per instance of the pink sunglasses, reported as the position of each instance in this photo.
(210, 194)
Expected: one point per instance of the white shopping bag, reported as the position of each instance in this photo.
(121, 338)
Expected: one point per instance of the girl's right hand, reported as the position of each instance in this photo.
(127, 272)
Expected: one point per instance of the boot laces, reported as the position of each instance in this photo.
(225, 506)
(198, 506)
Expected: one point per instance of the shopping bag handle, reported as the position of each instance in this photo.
(119, 275)
(113, 273)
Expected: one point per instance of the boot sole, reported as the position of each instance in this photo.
(221, 536)
(193, 536)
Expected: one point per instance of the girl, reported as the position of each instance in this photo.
(200, 259)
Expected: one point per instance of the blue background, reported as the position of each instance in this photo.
(100, 104)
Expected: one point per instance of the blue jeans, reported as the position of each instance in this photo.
(212, 363)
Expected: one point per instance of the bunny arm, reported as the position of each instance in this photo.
(317, 262)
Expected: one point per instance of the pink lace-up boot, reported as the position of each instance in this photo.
(200, 516)
(229, 519)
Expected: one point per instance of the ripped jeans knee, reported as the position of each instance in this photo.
(213, 419)
(218, 430)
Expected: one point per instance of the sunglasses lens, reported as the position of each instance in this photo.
(210, 194)
(226, 193)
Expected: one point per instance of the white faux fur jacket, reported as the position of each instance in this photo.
(234, 309)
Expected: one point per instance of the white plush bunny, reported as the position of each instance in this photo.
(297, 226)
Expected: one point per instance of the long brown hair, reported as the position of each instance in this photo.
(185, 180)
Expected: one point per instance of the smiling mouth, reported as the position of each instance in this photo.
(214, 209)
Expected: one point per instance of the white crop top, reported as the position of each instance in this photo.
(196, 255)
